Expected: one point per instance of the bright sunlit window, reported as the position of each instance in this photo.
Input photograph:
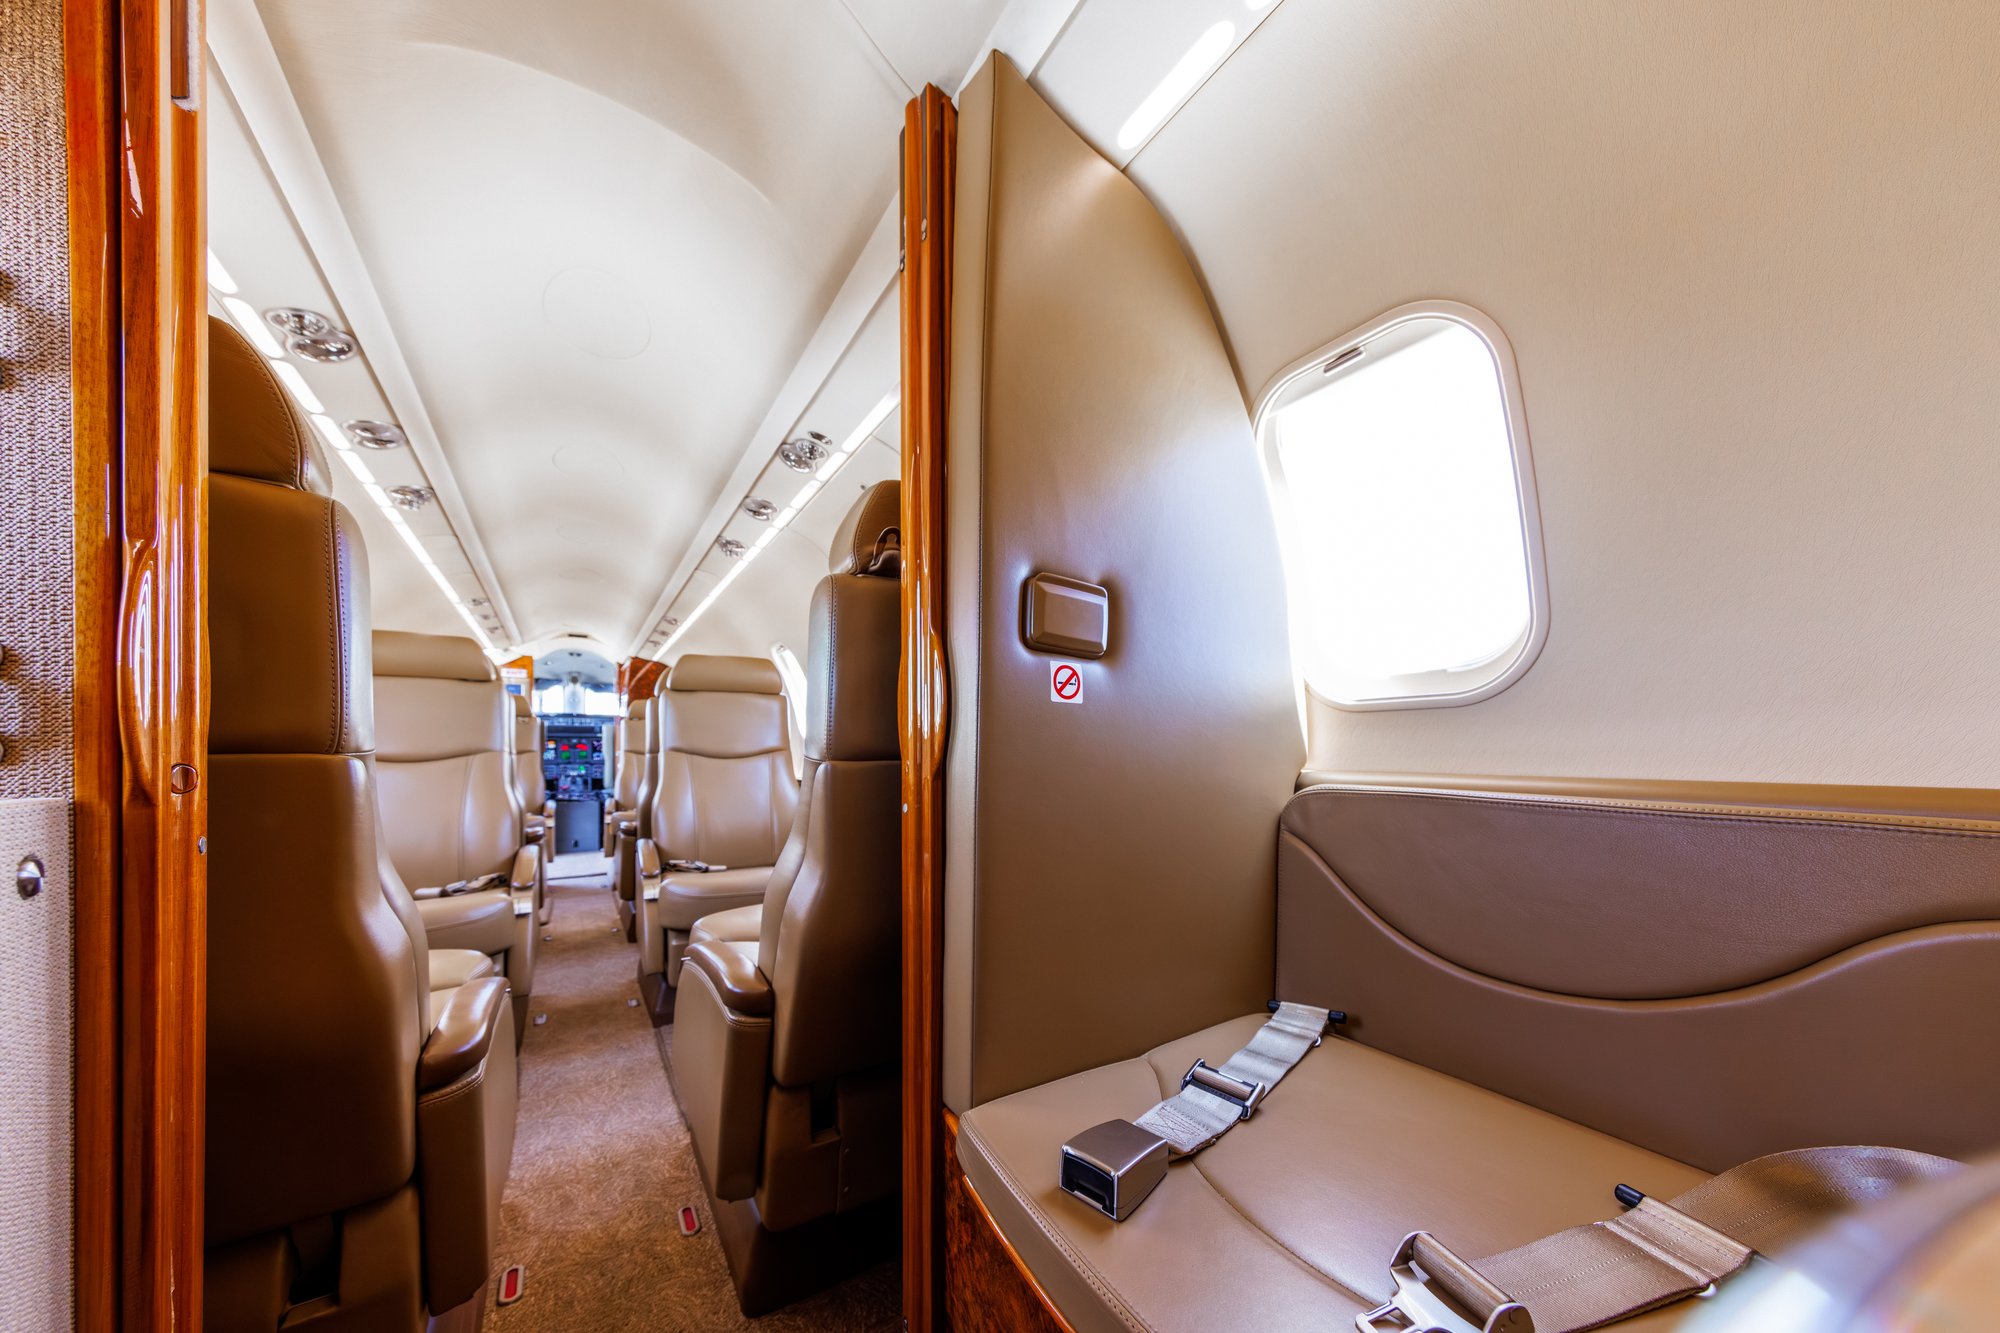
(1401, 475)
(794, 677)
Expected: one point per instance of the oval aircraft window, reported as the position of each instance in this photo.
(1405, 497)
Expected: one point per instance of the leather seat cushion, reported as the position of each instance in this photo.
(482, 922)
(687, 898)
(452, 968)
(1295, 1213)
(738, 925)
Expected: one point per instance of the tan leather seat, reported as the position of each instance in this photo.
(628, 767)
(725, 795)
(531, 792)
(358, 1124)
(637, 823)
(786, 1046)
(531, 788)
(1303, 1204)
(444, 743)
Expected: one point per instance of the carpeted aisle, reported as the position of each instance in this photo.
(602, 1161)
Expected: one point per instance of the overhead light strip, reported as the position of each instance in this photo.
(872, 421)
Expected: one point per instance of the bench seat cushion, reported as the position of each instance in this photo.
(1290, 1220)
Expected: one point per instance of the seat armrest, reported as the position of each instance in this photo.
(534, 833)
(628, 826)
(649, 859)
(527, 867)
(465, 1025)
(731, 966)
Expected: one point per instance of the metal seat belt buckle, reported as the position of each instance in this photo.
(1201, 1074)
(1421, 1307)
(1113, 1167)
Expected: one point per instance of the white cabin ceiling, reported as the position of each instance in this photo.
(603, 234)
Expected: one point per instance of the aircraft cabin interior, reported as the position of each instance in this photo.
(999, 666)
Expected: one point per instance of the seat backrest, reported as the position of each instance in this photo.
(530, 787)
(832, 923)
(314, 981)
(649, 757)
(443, 739)
(725, 792)
(631, 766)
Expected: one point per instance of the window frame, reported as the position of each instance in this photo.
(1291, 385)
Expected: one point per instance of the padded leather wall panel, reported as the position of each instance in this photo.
(1642, 902)
(312, 1044)
(1882, 1038)
(1111, 858)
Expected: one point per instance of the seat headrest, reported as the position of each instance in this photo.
(522, 708)
(726, 675)
(432, 656)
(868, 540)
(636, 710)
(255, 430)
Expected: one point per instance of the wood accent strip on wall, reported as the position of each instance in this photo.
(988, 1288)
(638, 677)
(930, 136)
(91, 97)
(140, 331)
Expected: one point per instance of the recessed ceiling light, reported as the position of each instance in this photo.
(326, 347)
(761, 510)
(375, 434)
(410, 497)
(806, 452)
(732, 548)
(297, 323)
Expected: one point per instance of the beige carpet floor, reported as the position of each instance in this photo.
(602, 1161)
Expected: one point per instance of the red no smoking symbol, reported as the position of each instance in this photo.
(1066, 683)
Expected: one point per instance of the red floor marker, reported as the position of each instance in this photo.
(511, 1284)
(690, 1220)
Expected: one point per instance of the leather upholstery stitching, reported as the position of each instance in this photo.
(1273, 1241)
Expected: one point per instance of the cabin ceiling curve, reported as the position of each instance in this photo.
(603, 234)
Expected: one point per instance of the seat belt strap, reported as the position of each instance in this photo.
(458, 887)
(1113, 1166)
(1654, 1254)
(1211, 1102)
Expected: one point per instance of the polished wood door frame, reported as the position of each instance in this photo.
(139, 333)
(929, 169)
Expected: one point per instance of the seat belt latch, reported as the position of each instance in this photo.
(1201, 1074)
(1113, 1167)
(1438, 1292)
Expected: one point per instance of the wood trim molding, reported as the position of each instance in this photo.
(638, 677)
(90, 99)
(988, 1288)
(139, 333)
(930, 136)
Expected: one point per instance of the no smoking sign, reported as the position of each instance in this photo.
(1065, 683)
